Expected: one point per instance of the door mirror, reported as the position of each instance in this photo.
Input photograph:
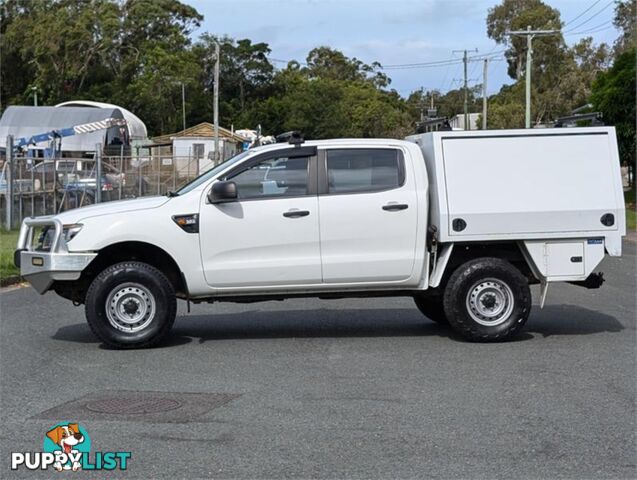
(223, 191)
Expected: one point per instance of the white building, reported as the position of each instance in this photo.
(457, 122)
(193, 148)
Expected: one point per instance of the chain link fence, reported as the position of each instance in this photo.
(32, 187)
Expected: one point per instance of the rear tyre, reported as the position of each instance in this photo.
(131, 305)
(432, 308)
(487, 299)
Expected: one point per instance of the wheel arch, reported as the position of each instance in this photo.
(509, 251)
(119, 252)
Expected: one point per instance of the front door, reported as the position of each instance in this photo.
(369, 216)
(270, 235)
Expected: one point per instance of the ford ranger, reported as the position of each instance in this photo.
(463, 222)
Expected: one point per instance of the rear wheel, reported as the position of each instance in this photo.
(487, 299)
(131, 305)
(432, 308)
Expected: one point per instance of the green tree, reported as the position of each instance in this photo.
(506, 109)
(625, 20)
(517, 15)
(132, 52)
(246, 74)
(54, 46)
(328, 63)
(562, 76)
(334, 96)
(614, 95)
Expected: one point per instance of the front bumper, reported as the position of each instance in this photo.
(42, 268)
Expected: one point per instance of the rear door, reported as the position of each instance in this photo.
(368, 215)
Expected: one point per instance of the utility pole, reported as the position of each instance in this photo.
(35, 96)
(216, 104)
(484, 93)
(183, 104)
(530, 34)
(466, 93)
(465, 61)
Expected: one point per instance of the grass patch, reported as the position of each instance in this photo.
(8, 240)
(631, 210)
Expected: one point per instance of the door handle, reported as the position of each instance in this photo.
(394, 207)
(296, 213)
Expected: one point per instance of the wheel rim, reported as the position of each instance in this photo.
(490, 302)
(130, 307)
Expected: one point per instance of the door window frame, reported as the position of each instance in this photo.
(323, 180)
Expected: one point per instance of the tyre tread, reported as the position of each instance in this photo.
(98, 282)
(454, 300)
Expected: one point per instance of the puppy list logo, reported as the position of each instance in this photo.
(67, 446)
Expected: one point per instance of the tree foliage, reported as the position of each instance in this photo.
(614, 96)
(562, 77)
(139, 54)
(626, 21)
(515, 15)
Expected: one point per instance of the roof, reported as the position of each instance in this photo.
(205, 130)
(23, 121)
(136, 128)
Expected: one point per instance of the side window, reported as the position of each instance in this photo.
(198, 150)
(275, 177)
(359, 170)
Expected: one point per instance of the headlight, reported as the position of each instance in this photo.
(45, 239)
(69, 231)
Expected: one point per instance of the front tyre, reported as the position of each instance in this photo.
(487, 299)
(131, 305)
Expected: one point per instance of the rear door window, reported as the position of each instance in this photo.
(360, 170)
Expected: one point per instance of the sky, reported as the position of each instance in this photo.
(392, 32)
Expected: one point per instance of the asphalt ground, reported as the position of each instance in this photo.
(365, 388)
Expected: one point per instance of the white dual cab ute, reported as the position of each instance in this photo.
(463, 222)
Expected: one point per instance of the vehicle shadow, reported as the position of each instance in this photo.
(329, 323)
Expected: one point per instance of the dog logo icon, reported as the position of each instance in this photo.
(68, 441)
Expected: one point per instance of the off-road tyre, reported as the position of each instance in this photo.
(432, 307)
(146, 282)
(480, 275)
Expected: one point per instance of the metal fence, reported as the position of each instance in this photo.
(35, 186)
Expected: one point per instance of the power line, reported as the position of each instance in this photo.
(584, 12)
(444, 78)
(591, 17)
(278, 60)
(607, 24)
(440, 63)
(593, 31)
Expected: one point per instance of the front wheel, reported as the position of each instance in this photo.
(131, 305)
(487, 299)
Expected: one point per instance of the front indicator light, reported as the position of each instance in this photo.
(188, 223)
(37, 261)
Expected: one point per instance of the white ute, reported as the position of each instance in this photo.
(462, 222)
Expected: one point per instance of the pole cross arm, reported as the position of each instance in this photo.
(533, 32)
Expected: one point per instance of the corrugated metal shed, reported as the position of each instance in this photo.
(136, 128)
(23, 121)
